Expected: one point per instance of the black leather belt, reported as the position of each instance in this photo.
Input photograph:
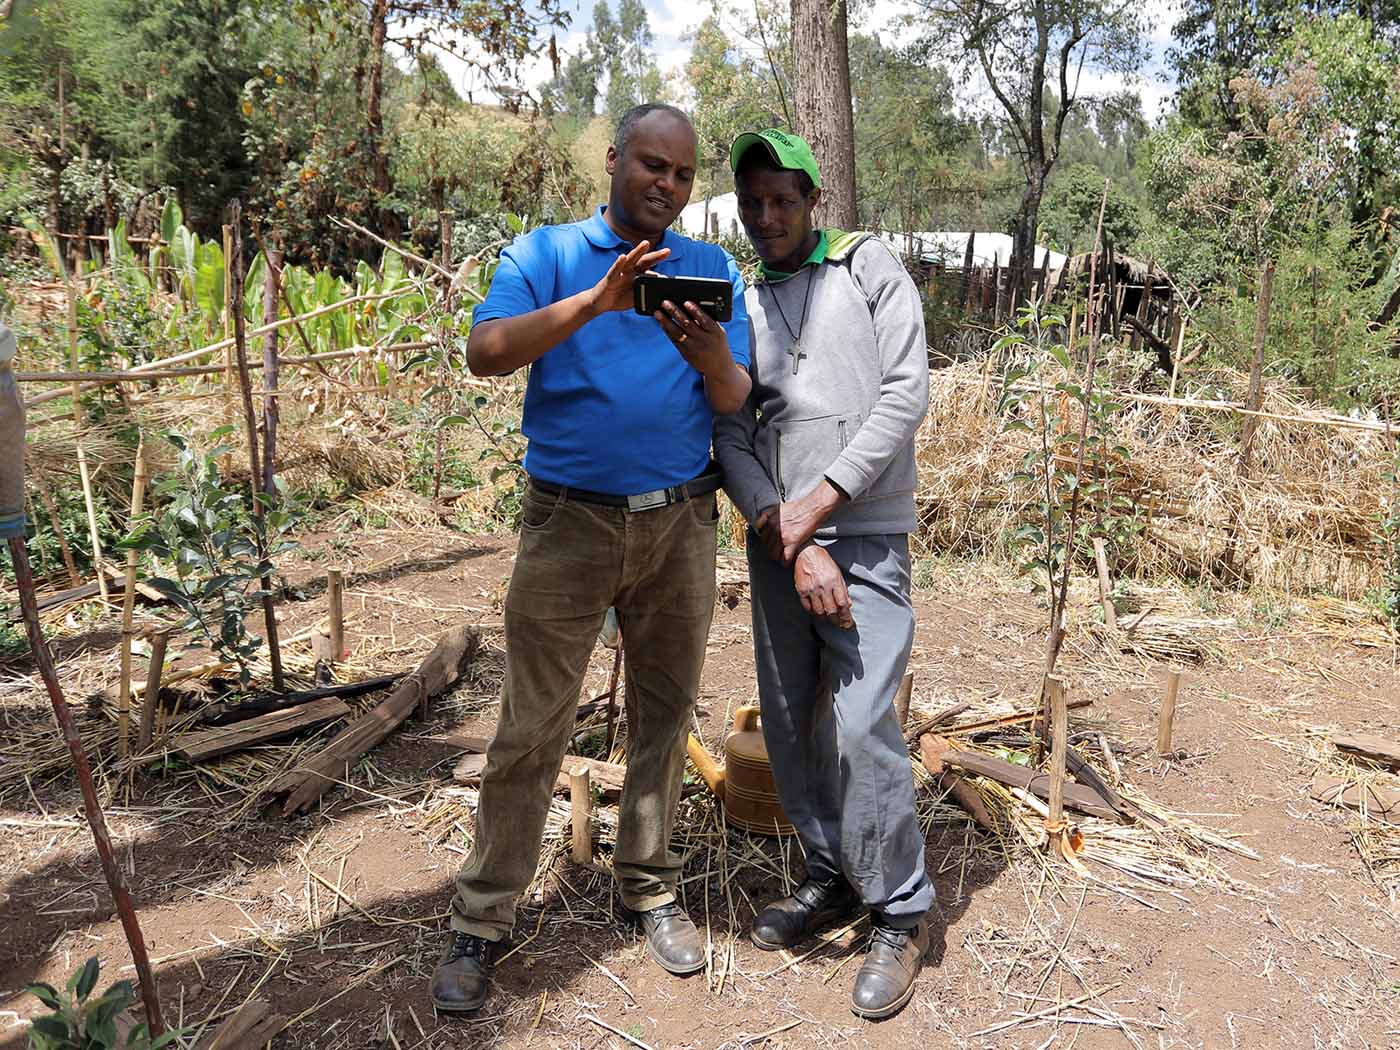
(706, 483)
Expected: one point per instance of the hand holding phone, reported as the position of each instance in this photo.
(712, 294)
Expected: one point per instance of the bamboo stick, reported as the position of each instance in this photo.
(150, 700)
(1110, 618)
(274, 651)
(224, 344)
(51, 509)
(83, 474)
(272, 275)
(121, 896)
(96, 379)
(138, 495)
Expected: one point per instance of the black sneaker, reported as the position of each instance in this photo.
(463, 974)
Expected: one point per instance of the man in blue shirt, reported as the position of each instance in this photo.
(619, 511)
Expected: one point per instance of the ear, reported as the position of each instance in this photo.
(814, 198)
(610, 161)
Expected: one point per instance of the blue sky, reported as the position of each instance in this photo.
(673, 20)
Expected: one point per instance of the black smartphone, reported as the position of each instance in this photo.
(714, 296)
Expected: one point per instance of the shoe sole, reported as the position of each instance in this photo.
(456, 1008)
(769, 946)
(887, 1011)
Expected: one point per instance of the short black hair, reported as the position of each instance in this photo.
(757, 156)
(637, 114)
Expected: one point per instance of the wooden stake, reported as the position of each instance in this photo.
(1176, 356)
(138, 495)
(150, 696)
(902, 696)
(335, 591)
(581, 805)
(24, 581)
(1255, 397)
(1168, 713)
(240, 343)
(83, 474)
(1059, 734)
(1110, 618)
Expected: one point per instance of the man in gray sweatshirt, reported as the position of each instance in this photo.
(820, 461)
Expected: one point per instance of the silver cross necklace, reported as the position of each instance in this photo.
(796, 348)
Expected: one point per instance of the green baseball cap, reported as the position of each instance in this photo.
(789, 152)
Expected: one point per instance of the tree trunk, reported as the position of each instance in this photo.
(821, 89)
(374, 115)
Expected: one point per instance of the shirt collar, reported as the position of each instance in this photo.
(817, 257)
(601, 235)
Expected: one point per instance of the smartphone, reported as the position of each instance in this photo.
(711, 294)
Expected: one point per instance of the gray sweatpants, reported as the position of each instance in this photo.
(834, 741)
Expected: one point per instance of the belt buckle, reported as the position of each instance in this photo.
(647, 501)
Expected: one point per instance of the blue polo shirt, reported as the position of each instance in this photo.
(614, 408)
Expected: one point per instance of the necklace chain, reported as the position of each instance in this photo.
(806, 301)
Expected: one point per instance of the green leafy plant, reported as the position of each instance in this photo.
(1042, 396)
(215, 547)
(79, 1022)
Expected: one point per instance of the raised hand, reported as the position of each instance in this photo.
(614, 291)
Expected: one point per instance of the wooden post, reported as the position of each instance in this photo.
(1110, 618)
(581, 805)
(1168, 713)
(83, 474)
(1059, 741)
(150, 694)
(274, 650)
(272, 274)
(24, 581)
(138, 495)
(335, 590)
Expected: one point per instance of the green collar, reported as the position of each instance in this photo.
(832, 246)
(818, 256)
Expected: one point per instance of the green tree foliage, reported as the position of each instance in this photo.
(1070, 213)
(732, 96)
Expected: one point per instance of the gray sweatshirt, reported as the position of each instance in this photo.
(850, 407)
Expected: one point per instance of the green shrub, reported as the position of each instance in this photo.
(81, 1023)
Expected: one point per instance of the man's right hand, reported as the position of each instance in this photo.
(614, 291)
(822, 587)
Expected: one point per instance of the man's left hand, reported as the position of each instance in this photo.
(698, 336)
(795, 522)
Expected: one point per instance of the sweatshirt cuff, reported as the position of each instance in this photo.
(847, 477)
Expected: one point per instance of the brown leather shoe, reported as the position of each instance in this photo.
(885, 982)
(792, 920)
(672, 939)
(463, 974)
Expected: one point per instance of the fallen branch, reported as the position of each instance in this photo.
(1078, 797)
(299, 789)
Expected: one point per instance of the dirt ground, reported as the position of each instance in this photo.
(336, 918)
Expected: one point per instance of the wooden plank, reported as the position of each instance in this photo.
(440, 670)
(1369, 745)
(1078, 797)
(931, 748)
(209, 743)
(1379, 803)
(253, 1025)
(607, 777)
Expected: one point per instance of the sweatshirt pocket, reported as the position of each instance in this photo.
(803, 450)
